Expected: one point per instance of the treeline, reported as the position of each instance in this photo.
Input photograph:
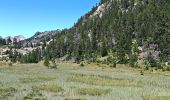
(2, 41)
(30, 57)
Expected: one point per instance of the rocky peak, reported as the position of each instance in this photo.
(19, 38)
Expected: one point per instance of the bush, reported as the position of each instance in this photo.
(141, 73)
(54, 65)
(168, 68)
(82, 65)
(146, 68)
(133, 61)
(113, 65)
(10, 64)
(46, 62)
(147, 64)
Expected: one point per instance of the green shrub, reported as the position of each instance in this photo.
(133, 61)
(46, 62)
(82, 64)
(168, 68)
(113, 65)
(141, 73)
(54, 65)
(147, 64)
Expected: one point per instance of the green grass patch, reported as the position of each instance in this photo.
(37, 79)
(101, 80)
(34, 95)
(93, 91)
(48, 87)
(6, 92)
(158, 98)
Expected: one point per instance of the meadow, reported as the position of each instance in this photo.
(73, 82)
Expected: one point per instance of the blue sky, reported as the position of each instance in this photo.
(25, 17)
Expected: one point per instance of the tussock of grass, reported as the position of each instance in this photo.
(37, 79)
(93, 91)
(74, 99)
(48, 87)
(5, 92)
(34, 95)
(100, 80)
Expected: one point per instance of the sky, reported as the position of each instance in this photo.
(25, 17)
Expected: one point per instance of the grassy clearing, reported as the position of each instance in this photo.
(48, 87)
(93, 91)
(90, 83)
(6, 92)
(101, 80)
(36, 79)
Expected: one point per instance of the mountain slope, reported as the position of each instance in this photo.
(118, 31)
(113, 26)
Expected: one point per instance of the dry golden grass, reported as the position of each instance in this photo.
(93, 91)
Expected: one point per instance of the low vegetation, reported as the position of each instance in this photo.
(101, 80)
(48, 88)
(5, 92)
(6, 63)
(74, 99)
(72, 82)
(37, 79)
(93, 91)
(34, 95)
(158, 98)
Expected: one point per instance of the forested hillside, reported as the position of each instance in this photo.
(120, 29)
(134, 32)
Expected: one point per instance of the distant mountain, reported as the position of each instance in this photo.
(19, 38)
(36, 39)
(39, 37)
(14, 39)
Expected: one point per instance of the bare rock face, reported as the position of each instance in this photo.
(100, 10)
(154, 54)
(152, 51)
